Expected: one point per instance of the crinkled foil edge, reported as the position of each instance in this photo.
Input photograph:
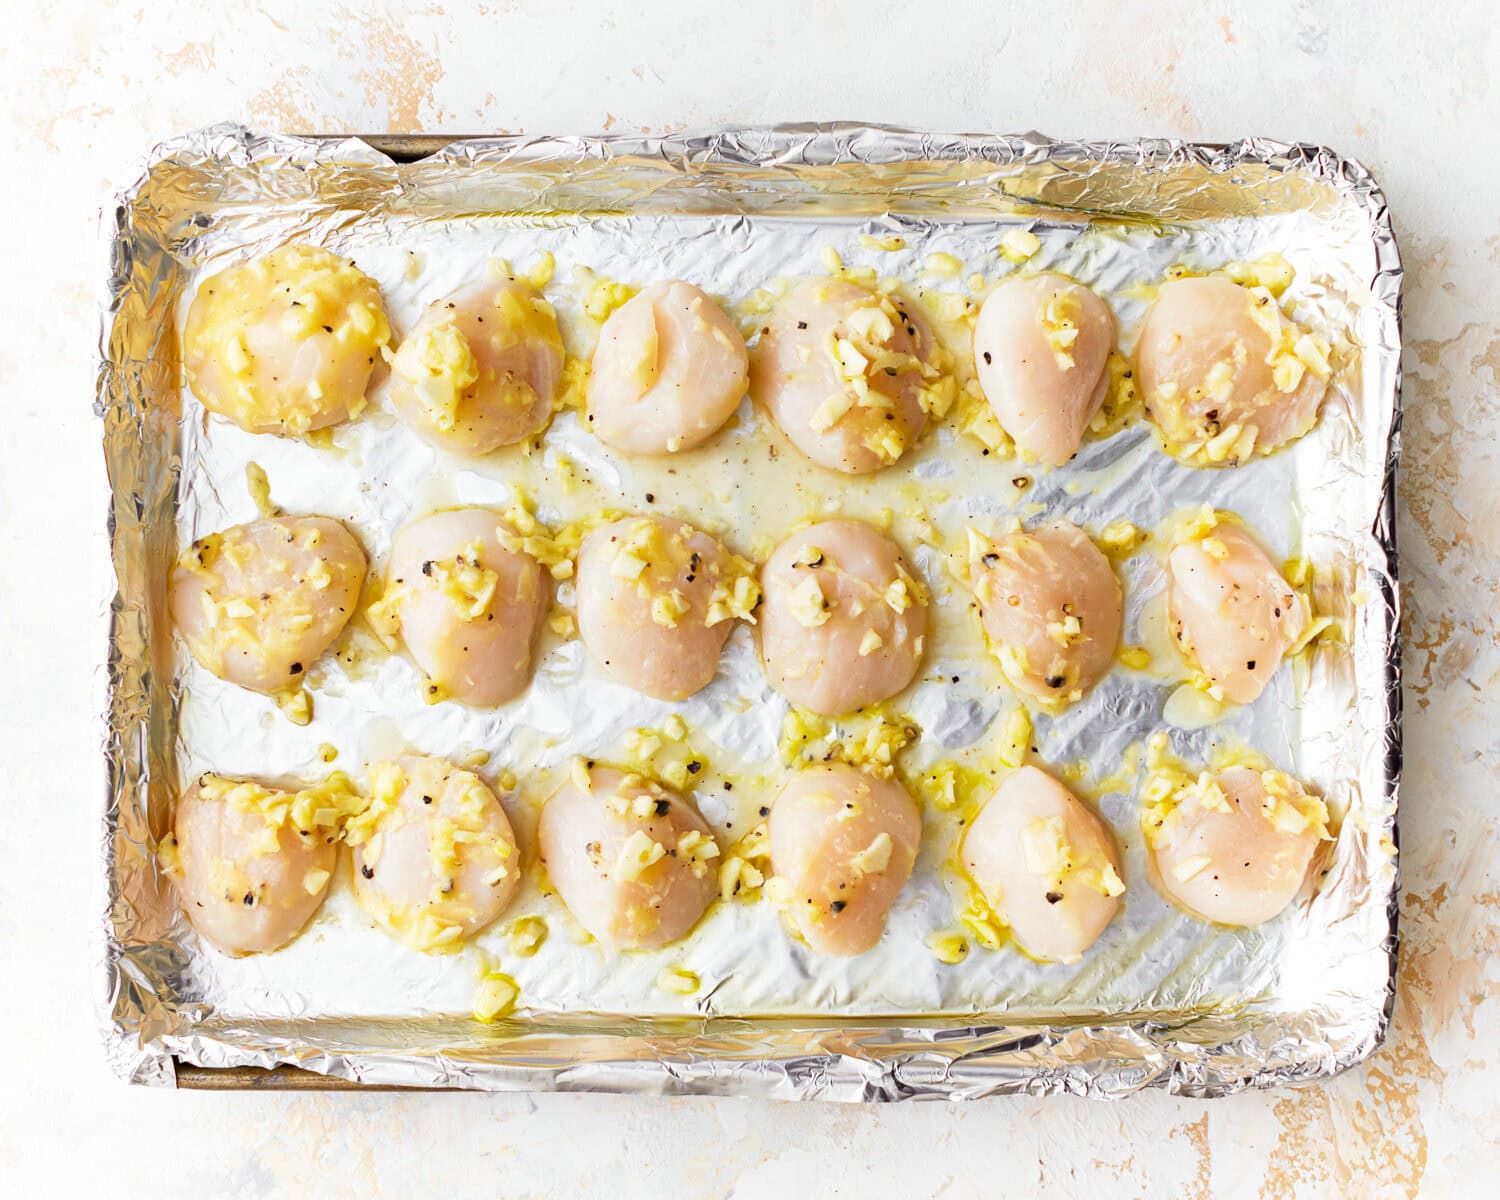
(145, 1039)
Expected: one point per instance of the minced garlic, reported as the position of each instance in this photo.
(943, 265)
(808, 606)
(496, 995)
(744, 869)
(678, 981)
(668, 609)
(1119, 539)
(735, 596)
(259, 487)
(1060, 327)
(440, 369)
(697, 850)
(874, 858)
(948, 946)
(527, 935)
(1019, 244)
(639, 853)
(1016, 738)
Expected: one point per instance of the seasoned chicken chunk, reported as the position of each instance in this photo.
(657, 599)
(844, 621)
(481, 368)
(843, 371)
(1045, 864)
(669, 370)
(1041, 349)
(843, 843)
(1234, 847)
(435, 858)
(1232, 613)
(258, 604)
(286, 342)
(466, 602)
(634, 862)
(252, 862)
(1225, 374)
(1052, 607)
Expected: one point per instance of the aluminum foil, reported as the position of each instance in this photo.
(1160, 1001)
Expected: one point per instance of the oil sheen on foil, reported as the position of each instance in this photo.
(1160, 1000)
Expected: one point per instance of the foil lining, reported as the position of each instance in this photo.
(1161, 1002)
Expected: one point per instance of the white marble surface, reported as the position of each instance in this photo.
(1411, 89)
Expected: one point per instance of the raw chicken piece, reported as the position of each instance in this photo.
(467, 606)
(1232, 613)
(657, 599)
(1233, 848)
(1225, 375)
(844, 621)
(669, 370)
(634, 862)
(843, 843)
(1052, 607)
(435, 858)
(1041, 349)
(286, 342)
(1045, 864)
(841, 370)
(258, 604)
(481, 368)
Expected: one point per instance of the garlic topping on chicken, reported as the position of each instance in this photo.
(1041, 350)
(1052, 607)
(848, 374)
(481, 367)
(634, 862)
(669, 370)
(1225, 374)
(286, 342)
(844, 620)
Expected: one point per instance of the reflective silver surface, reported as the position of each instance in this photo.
(1161, 1001)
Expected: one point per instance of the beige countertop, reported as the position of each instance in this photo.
(1412, 90)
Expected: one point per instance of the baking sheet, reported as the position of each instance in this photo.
(1161, 1000)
